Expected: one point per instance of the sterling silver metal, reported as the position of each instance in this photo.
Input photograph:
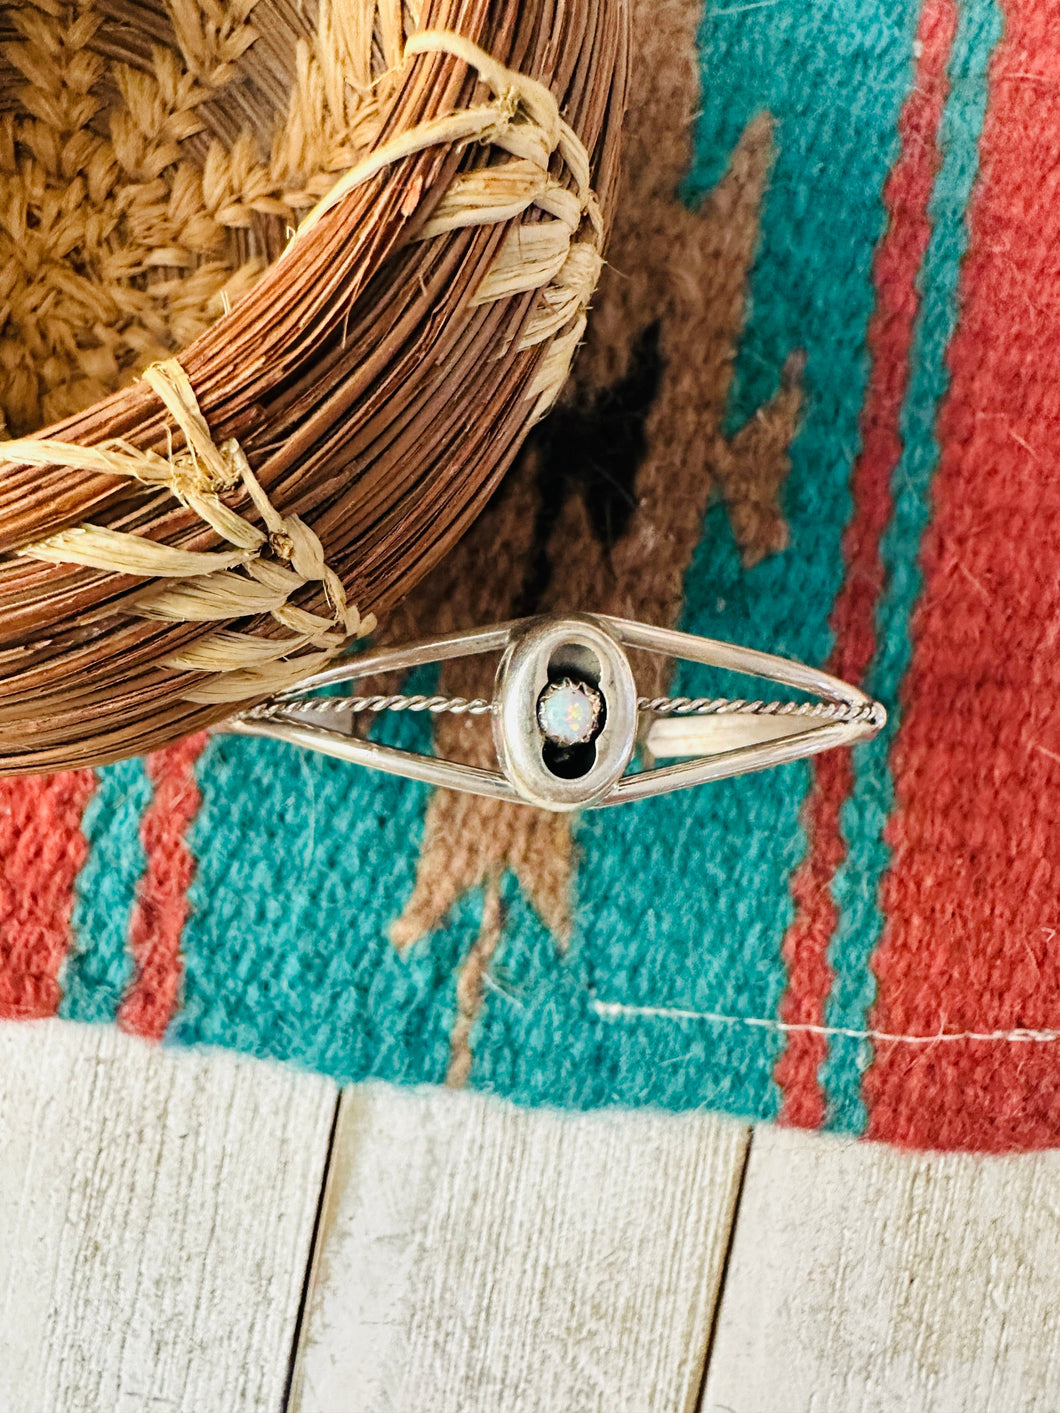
(723, 736)
(479, 706)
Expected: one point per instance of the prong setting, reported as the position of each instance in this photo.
(563, 660)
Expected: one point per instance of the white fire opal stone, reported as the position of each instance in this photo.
(569, 712)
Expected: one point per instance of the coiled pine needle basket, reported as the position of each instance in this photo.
(290, 283)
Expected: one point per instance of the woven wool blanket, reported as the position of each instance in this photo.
(816, 414)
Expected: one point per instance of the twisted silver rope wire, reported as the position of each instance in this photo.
(838, 712)
(843, 712)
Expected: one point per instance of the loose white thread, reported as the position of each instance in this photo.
(614, 1010)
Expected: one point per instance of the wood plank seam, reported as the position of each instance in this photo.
(473, 1256)
(307, 1277)
(698, 1401)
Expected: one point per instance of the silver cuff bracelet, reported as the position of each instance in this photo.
(567, 718)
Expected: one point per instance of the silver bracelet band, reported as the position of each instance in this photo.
(567, 718)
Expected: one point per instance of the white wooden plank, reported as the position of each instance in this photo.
(864, 1280)
(158, 1213)
(475, 1256)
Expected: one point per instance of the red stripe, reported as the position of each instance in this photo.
(890, 339)
(42, 850)
(161, 910)
(972, 941)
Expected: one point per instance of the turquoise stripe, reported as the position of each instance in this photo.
(857, 884)
(99, 966)
(302, 864)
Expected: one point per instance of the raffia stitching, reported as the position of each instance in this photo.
(260, 574)
(552, 256)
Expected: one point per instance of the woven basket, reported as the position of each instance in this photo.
(290, 284)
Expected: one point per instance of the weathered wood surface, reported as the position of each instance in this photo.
(158, 1216)
(864, 1280)
(159, 1210)
(478, 1257)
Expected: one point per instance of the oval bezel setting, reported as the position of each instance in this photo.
(545, 652)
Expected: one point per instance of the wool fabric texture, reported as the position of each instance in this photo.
(815, 415)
